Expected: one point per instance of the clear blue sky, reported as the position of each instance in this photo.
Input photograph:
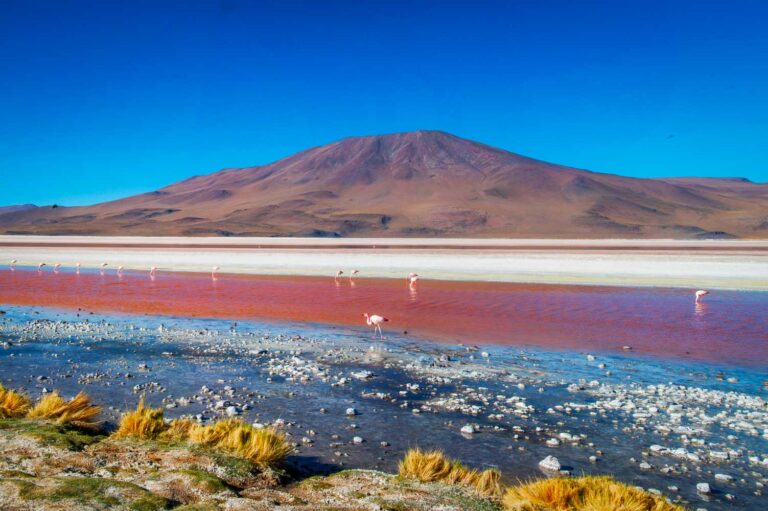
(106, 98)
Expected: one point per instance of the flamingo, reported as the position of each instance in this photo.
(700, 294)
(13, 264)
(339, 274)
(412, 279)
(77, 268)
(152, 271)
(40, 266)
(353, 274)
(213, 272)
(120, 270)
(375, 321)
(56, 267)
(102, 266)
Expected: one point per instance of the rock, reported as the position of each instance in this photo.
(550, 464)
(232, 411)
(553, 442)
(357, 440)
(724, 477)
(351, 411)
(703, 488)
(468, 429)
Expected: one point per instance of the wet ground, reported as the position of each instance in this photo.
(658, 423)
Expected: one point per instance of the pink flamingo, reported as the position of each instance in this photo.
(213, 272)
(412, 278)
(40, 266)
(101, 267)
(120, 270)
(700, 294)
(13, 264)
(375, 321)
(152, 271)
(56, 267)
(339, 274)
(353, 274)
(77, 268)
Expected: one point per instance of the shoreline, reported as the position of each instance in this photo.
(522, 405)
(738, 265)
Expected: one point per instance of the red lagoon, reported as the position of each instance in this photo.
(729, 327)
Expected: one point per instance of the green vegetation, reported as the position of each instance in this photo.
(52, 433)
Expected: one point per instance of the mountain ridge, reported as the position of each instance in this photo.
(419, 183)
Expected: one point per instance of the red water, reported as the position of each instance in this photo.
(730, 327)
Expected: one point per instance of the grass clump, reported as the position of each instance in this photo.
(144, 423)
(12, 404)
(433, 466)
(262, 447)
(78, 412)
(590, 493)
(178, 430)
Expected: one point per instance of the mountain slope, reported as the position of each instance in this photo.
(423, 183)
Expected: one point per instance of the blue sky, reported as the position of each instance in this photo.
(103, 99)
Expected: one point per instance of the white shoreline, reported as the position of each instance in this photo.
(741, 265)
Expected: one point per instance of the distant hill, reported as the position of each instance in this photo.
(16, 208)
(419, 184)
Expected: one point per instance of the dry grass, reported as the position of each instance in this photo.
(12, 404)
(214, 433)
(178, 430)
(144, 423)
(78, 412)
(592, 493)
(263, 447)
(433, 466)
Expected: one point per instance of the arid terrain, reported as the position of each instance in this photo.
(416, 184)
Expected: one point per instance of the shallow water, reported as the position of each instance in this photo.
(729, 327)
(262, 363)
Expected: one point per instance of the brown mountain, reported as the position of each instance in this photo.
(423, 183)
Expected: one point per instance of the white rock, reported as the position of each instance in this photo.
(703, 488)
(468, 429)
(351, 411)
(550, 463)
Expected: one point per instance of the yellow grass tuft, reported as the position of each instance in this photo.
(78, 412)
(143, 423)
(214, 433)
(591, 493)
(488, 482)
(178, 430)
(263, 447)
(433, 466)
(12, 404)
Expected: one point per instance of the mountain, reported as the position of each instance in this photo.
(422, 183)
(16, 208)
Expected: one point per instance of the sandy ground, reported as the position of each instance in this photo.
(676, 263)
